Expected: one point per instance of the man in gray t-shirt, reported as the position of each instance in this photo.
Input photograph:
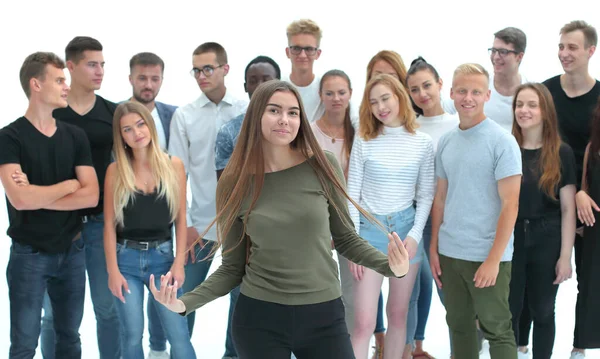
(478, 167)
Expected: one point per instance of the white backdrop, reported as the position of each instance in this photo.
(445, 33)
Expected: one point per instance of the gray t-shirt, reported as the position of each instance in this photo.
(473, 161)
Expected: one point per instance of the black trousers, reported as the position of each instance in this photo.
(537, 249)
(265, 330)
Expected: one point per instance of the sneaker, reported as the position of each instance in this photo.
(378, 353)
(577, 355)
(523, 355)
(158, 355)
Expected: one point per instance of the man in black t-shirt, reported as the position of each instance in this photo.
(575, 94)
(94, 115)
(47, 174)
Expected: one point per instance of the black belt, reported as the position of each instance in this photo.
(142, 246)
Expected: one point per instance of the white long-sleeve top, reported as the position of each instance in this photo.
(194, 130)
(386, 174)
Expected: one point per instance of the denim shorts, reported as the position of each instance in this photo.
(400, 222)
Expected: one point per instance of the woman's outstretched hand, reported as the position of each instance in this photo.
(397, 255)
(166, 294)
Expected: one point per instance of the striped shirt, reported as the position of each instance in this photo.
(388, 173)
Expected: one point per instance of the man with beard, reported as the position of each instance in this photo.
(146, 76)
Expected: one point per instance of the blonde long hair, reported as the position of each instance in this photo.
(163, 172)
(245, 172)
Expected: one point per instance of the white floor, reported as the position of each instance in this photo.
(209, 332)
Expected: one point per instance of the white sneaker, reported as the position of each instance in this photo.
(525, 355)
(158, 355)
(577, 355)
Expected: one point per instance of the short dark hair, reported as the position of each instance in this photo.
(34, 66)
(514, 36)
(146, 59)
(215, 48)
(260, 60)
(589, 32)
(76, 47)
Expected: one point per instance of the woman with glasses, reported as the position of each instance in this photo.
(145, 191)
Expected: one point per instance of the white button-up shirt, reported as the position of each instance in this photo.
(194, 130)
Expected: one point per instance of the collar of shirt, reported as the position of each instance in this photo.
(203, 100)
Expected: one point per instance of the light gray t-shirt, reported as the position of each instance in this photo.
(473, 161)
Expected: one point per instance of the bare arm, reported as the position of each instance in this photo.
(585, 161)
(585, 204)
(85, 197)
(180, 222)
(437, 212)
(437, 217)
(110, 235)
(568, 227)
(509, 189)
(33, 197)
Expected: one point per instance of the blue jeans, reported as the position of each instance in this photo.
(230, 351)
(107, 322)
(379, 324)
(30, 274)
(420, 300)
(195, 274)
(158, 338)
(136, 266)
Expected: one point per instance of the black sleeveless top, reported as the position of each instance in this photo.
(146, 218)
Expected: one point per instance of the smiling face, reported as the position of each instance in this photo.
(385, 105)
(424, 89)
(281, 120)
(135, 131)
(527, 110)
(470, 92)
(505, 64)
(572, 53)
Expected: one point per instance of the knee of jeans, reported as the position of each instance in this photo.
(543, 313)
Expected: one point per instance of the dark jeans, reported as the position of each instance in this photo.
(578, 255)
(107, 322)
(29, 274)
(230, 351)
(195, 274)
(464, 303)
(313, 331)
(537, 249)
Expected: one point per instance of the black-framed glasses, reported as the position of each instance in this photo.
(208, 70)
(501, 52)
(309, 50)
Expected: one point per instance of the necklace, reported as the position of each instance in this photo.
(330, 133)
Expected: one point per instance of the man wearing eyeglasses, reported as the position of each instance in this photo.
(506, 55)
(304, 38)
(194, 130)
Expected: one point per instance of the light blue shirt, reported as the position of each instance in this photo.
(473, 161)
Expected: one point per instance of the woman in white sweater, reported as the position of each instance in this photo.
(391, 167)
(424, 85)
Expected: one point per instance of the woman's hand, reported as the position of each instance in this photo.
(116, 284)
(167, 293)
(585, 207)
(398, 256)
(357, 271)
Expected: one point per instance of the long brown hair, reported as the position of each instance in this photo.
(549, 164)
(244, 174)
(370, 127)
(348, 128)
(394, 59)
